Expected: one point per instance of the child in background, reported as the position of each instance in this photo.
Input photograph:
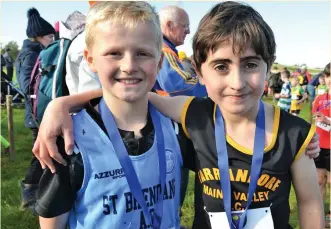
(298, 96)
(285, 95)
(322, 88)
(321, 110)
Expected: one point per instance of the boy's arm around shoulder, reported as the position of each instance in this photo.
(305, 182)
(170, 106)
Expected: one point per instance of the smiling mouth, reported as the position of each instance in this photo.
(238, 96)
(129, 81)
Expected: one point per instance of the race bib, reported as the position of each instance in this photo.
(320, 91)
(323, 126)
(295, 97)
(259, 218)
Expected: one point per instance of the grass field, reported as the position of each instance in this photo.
(12, 217)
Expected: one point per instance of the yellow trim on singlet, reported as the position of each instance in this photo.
(245, 150)
(183, 115)
(306, 142)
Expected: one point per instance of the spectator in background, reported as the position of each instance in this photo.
(298, 95)
(312, 85)
(40, 34)
(285, 95)
(186, 63)
(322, 88)
(9, 64)
(274, 81)
(3, 83)
(173, 79)
(306, 77)
(3, 63)
(79, 77)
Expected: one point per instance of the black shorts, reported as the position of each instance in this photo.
(295, 112)
(323, 160)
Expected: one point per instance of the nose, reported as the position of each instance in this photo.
(187, 29)
(237, 80)
(128, 64)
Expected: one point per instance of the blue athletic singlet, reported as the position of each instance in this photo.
(105, 200)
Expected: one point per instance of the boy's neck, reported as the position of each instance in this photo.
(240, 120)
(128, 116)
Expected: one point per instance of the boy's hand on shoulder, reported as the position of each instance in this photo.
(313, 148)
(56, 122)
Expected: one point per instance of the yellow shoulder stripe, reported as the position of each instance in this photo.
(183, 115)
(306, 142)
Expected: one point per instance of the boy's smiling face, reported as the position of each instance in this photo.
(235, 82)
(126, 59)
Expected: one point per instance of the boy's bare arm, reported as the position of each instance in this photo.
(169, 106)
(59, 222)
(77, 101)
(309, 201)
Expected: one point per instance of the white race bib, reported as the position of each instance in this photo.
(259, 218)
(320, 91)
(324, 126)
(295, 97)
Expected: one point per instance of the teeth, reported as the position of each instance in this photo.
(133, 81)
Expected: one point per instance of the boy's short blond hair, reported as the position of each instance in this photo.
(127, 13)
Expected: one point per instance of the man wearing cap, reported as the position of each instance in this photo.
(40, 34)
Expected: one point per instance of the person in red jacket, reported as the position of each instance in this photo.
(321, 110)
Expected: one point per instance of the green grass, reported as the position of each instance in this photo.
(12, 172)
(13, 217)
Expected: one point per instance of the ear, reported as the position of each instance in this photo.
(169, 24)
(89, 59)
(160, 62)
(198, 72)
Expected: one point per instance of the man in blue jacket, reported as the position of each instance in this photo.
(172, 80)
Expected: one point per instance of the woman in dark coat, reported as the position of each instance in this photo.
(40, 34)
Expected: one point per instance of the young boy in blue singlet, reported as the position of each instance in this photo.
(125, 172)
